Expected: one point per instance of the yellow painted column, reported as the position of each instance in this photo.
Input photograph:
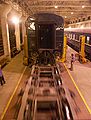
(82, 46)
(64, 49)
(82, 49)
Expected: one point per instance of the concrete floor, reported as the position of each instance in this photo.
(12, 73)
(82, 75)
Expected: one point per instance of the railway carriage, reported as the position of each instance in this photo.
(74, 39)
(45, 36)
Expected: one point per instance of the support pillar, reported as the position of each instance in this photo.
(64, 49)
(25, 42)
(5, 33)
(15, 16)
(82, 50)
(17, 29)
(23, 27)
(25, 59)
(17, 33)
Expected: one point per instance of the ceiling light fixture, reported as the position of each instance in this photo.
(71, 13)
(83, 6)
(65, 16)
(56, 6)
(15, 19)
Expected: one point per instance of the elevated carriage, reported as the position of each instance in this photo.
(45, 36)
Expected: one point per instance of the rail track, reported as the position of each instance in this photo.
(44, 96)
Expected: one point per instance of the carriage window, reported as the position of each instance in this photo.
(77, 37)
(73, 36)
(69, 35)
(88, 39)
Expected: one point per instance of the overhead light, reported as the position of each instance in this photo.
(71, 13)
(15, 19)
(65, 16)
(56, 6)
(83, 6)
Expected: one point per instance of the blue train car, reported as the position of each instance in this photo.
(74, 39)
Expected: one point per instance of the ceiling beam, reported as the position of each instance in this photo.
(63, 9)
(62, 3)
(67, 6)
(61, 0)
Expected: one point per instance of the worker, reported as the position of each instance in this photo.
(2, 81)
(72, 61)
